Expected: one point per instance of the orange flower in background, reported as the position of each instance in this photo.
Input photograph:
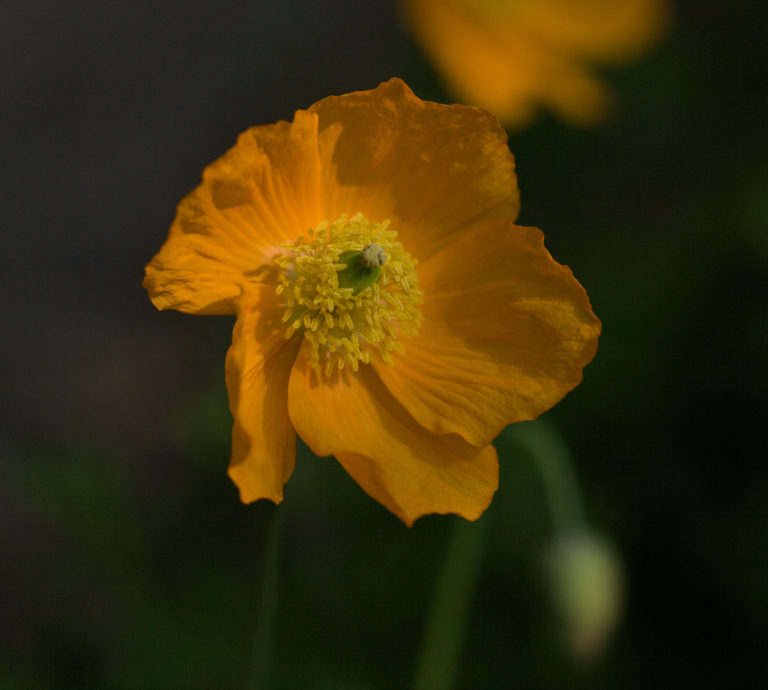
(388, 309)
(513, 56)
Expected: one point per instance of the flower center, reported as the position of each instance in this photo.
(351, 289)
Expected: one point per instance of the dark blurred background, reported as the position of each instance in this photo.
(126, 558)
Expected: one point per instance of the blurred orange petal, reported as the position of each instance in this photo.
(607, 31)
(512, 57)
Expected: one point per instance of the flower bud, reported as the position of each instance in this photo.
(586, 580)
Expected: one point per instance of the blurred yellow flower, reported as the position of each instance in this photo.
(512, 56)
(388, 309)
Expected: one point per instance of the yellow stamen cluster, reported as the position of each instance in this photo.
(342, 325)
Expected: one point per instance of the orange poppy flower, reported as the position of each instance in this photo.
(512, 56)
(388, 309)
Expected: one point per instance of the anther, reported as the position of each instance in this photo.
(373, 256)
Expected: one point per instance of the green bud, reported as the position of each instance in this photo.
(587, 589)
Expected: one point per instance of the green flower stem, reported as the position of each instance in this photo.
(447, 622)
(555, 466)
(261, 657)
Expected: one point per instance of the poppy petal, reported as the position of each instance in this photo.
(262, 192)
(258, 367)
(426, 167)
(506, 334)
(398, 462)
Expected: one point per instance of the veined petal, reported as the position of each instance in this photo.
(506, 334)
(262, 192)
(258, 368)
(426, 167)
(398, 462)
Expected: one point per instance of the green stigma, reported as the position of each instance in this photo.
(363, 268)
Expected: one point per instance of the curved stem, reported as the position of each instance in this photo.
(447, 622)
(555, 465)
